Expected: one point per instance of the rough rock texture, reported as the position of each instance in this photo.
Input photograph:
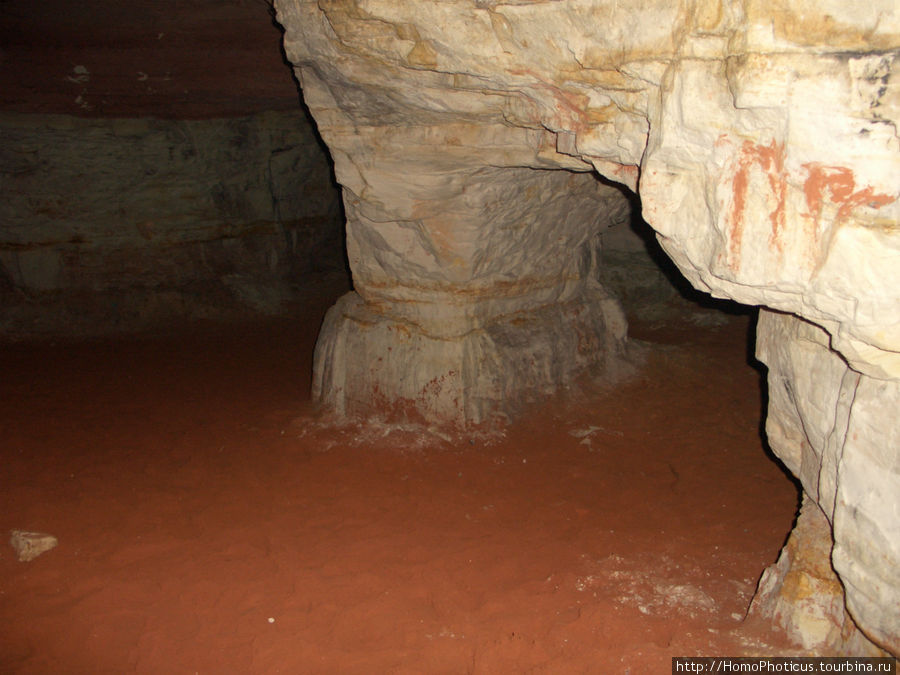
(29, 545)
(472, 301)
(762, 138)
(802, 593)
(836, 430)
(465, 244)
(156, 215)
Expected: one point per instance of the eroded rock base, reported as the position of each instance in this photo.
(802, 594)
(832, 427)
(368, 362)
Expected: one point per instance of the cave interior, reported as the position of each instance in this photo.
(171, 236)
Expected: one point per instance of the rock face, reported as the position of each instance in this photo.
(116, 221)
(474, 299)
(762, 139)
(802, 593)
(836, 430)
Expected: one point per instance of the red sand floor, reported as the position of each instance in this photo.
(208, 523)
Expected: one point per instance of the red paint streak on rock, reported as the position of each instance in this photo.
(566, 102)
(770, 158)
(840, 183)
(626, 173)
(432, 390)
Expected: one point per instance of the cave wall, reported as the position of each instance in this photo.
(762, 140)
(120, 222)
(155, 166)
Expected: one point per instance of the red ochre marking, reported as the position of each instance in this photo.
(575, 104)
(837, 184)
(626, 172)
(770, 158)
(840, 183)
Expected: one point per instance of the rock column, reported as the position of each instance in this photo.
(475, 290)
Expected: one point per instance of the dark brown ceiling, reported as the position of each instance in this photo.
(158, 58)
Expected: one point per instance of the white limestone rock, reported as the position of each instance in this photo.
(835, 429)
(472, 305)
(762, 138)
(802, 594)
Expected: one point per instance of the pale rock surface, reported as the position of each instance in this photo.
(29, 545)
(762, 138)
(470, 307)
(836, 430)
(802, 593)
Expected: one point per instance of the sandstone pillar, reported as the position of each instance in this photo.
(475, 290)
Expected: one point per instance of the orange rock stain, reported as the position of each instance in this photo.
(769, 158)
(840, 183)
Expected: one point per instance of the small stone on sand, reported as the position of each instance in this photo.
(29, 545)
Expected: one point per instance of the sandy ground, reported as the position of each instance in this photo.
(208, 522)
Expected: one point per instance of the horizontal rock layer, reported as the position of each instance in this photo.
(172, 209)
